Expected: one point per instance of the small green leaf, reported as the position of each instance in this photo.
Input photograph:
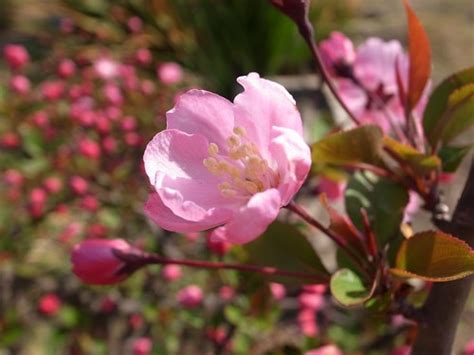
(434, 256)
(452, 156)
(348, 288)
(446, 99)
(283, 246)
(383, 200)
(359, 145)
(419, 162)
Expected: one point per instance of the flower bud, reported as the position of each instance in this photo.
(171, 272)
(20, 84)
(170, 73)
(142, 346)
(190, 296)
(49, 304)
(95, 263)
(325, 350)
(16, 56)
(66, 68)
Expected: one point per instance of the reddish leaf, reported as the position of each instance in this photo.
(434, 256)
(419, 55)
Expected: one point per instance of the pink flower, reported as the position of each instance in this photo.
(89, 148)
(53, 184)
(90, 203)
(414, 204)
(227, 165)
(49, 304)
(325, 350)
(13, 178)
(16, 56)
(10, 140)
(113, 94)
(277, 290)
(129, 123)
(307, 322)
(171, 272)
(40, 119)
(142, 346)
(52, 90)
(217, 243)
(20, 84)
(143, 56)
(38, 196)
(95, 263)
(135, 24)
(66, 68)
(312, 301)
(190, 296)
(333, 189)
(170, 73)
(402, 350)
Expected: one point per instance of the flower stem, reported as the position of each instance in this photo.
(137, 258)
(339, 240)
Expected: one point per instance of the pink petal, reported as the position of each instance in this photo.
(250, 221)
(199, 111)
(262, 105)
(293, 158)
(166, 219)
(375, 63)
(337, 50)
(174, 165)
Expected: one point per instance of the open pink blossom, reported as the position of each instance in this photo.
(325, 350)
(227, 165)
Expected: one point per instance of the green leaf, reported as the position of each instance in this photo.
(419, 162)
(283, 246)
(383, 200)
(446, 99)
(452, 156)
(348, 288)
(434, 256)
(359, 145)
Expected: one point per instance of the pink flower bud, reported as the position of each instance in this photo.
(52, 90)
(40, 119)
(38, 196)
(108, 304)
(109, 144)
(49, 304)
(113, 112)
(325, 350)
(469, 348)
(307, 322)
(190, 296)
(147, 87)
(13, 178)
(97, 230)
(106, 68)
(89, 148)
(72, 230)
(142, 346)
(113, 94)
(136, 321)
(143, 56)
(133, 139)
(217, 243)
(79, 185)
(135, 24)
(315, 289)
(10, 140)
(53, 184)
(66, 68)
(402, 350)
(333, 189)
(20, 84)
(277, 290)
(170, 73)
(312, 301)
(129, 123)
(90, 203)
(95, 263)
(16, 56)
(226, 293)
(171, 272)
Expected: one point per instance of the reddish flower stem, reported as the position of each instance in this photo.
(356, 258)
(137, 258)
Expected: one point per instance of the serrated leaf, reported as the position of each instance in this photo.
(359, 145)
(442, 102)
(419, 162)
(452, 156)
(348, 288)
(383, 200)
(419, 53)
(434, 256)
(283, 246)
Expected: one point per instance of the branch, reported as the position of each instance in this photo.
(445, 303)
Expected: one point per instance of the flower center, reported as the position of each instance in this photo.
(243, 170)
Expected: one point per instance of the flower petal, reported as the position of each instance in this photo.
(262, 105)
(250, 221)
(293, 158)
(200, 111)
(174, 165)
(166, 219)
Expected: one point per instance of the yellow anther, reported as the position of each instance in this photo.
(237, 153)
(240, 131)
(213, 149)
(233, 141)
(210, 163)
(228, 192)
(224, 186)
(251, 187)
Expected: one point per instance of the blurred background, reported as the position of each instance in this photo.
(74, 121)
